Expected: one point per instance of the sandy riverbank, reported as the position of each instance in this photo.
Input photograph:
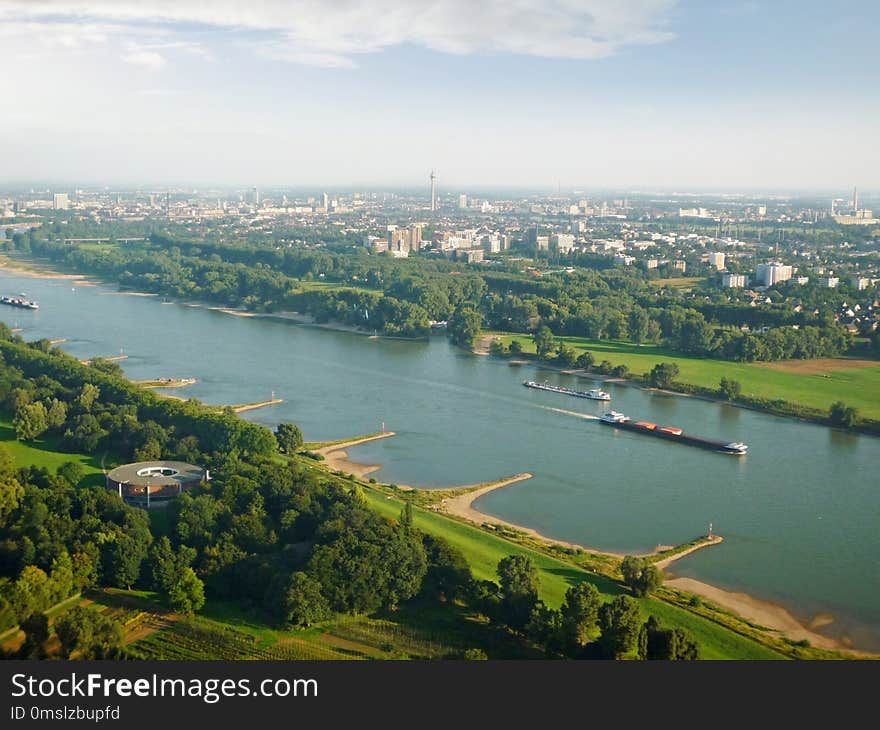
(772, 616)
(336, 458)
(34, 270)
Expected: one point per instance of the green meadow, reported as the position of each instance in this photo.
(45, 452)
(856, 386)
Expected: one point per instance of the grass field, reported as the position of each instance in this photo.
(331, 286)
(853, 384)
(483, 551)
(682, 283)
(45, 452)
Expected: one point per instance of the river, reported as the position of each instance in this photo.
(799, 514)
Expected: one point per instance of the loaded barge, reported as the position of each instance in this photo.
(672, 433)
(594, 394)
(20, 303)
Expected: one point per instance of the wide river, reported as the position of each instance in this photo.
(800, 514)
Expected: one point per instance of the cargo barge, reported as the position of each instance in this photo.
(20, 303)
(594, 394)
(672, 433)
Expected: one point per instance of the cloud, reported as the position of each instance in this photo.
(333, 34)
(147, 59)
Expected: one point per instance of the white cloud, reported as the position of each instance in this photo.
(334, 33)
(147, 59)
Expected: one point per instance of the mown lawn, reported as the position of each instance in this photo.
(483, 551)
(45, 452)
(859, 387)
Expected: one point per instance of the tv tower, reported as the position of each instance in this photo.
(855, 198)
(433, 191)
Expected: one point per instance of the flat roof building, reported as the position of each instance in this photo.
(146, 482)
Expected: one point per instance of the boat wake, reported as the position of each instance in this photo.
(585, 416)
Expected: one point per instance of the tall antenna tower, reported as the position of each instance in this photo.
(855, 198)
(433, 191)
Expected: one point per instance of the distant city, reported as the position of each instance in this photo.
(742, 242)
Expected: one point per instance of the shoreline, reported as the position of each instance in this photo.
(336, 457)
(773, 617)
(34, 270)
(529, 359)
(783, 622)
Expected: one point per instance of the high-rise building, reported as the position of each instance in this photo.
(773, 273)
(256, 196)
(462, 201)
(433, 191)
(326, 202)
(60, 201)
(717, 260)
(733, 281)
(405, 239)
(561, 242)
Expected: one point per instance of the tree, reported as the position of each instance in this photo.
(56, 414)
(730, 389)
(36, 630)
(464, 327)
(515, 347)
(676, 644)
(448, 569)
(289, 437)
(518, 577)
(406, 515)
(87, 397)
(544, 341)
(496, 347)
(663, 374)
(638, 325)
(30, 422)
(121, 560)
(641, 576)
(303, 604)
(841, 414)
(580, 613)
(565, 355)
(620, 622)
(30, 592)
(585, 360)
(72, 472)
(187, 594)
(89, 633)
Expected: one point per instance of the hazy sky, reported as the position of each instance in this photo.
(718, 94)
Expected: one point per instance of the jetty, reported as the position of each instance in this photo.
(112, 358)
(166, 382)
(243, 407)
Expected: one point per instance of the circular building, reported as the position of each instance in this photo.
(148, 481)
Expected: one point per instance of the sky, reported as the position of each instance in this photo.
(584, 94)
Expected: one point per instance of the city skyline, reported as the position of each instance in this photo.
(649, 94)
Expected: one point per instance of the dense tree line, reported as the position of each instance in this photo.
(403, 296)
